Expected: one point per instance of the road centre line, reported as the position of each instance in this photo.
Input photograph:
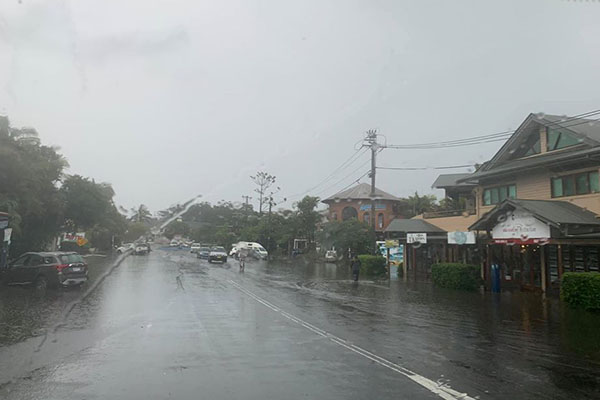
(442, 390)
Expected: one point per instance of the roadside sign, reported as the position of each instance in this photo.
(416, 238)
(81, 241)
(7, 234)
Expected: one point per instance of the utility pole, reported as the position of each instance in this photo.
(371, 142)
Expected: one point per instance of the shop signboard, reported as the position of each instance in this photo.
(459, 237)
(366, 207)
(520, 225)
(416, 238)
(73, 237)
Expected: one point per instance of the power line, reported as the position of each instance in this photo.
(355, 181)
(355, 156)
(425, 168)
(494, 137)
(475, 140)
(346, 177)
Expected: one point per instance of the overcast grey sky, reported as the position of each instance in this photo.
(169, 99)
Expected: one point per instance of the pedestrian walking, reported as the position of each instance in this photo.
(242, 258)
(355, 265)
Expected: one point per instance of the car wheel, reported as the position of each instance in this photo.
(40, 284)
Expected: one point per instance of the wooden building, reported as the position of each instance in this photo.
(537, 202)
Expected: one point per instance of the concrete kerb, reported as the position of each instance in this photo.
(69, 307)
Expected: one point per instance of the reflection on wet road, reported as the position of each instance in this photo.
(170, 325)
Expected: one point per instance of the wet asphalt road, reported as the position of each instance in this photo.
(170, 326)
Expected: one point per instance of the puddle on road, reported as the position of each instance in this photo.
(521, 334)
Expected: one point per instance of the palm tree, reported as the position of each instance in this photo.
(141, 214)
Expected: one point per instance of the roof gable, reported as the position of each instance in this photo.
(362, 191)
(527, 133)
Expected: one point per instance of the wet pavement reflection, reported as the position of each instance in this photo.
(26, 313)
(515, 344)
(182, 310)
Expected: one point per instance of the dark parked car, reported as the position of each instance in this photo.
(47, 269)
(203, 252)
(217, 253)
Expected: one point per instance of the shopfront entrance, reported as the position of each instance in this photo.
(520, 264)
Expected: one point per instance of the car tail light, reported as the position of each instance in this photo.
(60, 267)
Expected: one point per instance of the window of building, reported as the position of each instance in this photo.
(571, 185)
(380, 220)
(559, 140)
(334, 216)
(534, 148)
(366, 218)
(349, 213)
(499, 194)
(529, 146)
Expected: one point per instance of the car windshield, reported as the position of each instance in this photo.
(449, 151)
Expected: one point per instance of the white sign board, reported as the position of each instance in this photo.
(459, 237)
(520, 225)
(7, 234)
(416, 238)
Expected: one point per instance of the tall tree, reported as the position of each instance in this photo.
(353, 235)
(29, 177)
(263, 181)
(416, 204)
(87, 203)
(308, 216)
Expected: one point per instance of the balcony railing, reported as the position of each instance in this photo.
(448, 213)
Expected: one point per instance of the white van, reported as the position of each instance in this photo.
(254, 250)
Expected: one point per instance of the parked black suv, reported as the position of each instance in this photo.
(47, 269)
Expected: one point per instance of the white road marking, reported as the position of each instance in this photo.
(444, 391)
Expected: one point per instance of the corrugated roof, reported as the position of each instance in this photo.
(553, 212)
(412, 226)
(450, 180)
(530, 162)
(361, 191)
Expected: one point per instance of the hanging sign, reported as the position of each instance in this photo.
(459, 237)
(520, 225)
(416, 238)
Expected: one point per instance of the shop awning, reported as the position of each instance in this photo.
(416, 225)
(562, 215)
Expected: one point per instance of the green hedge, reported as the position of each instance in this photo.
(581, 290)
(456, 276)
(372, 265)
